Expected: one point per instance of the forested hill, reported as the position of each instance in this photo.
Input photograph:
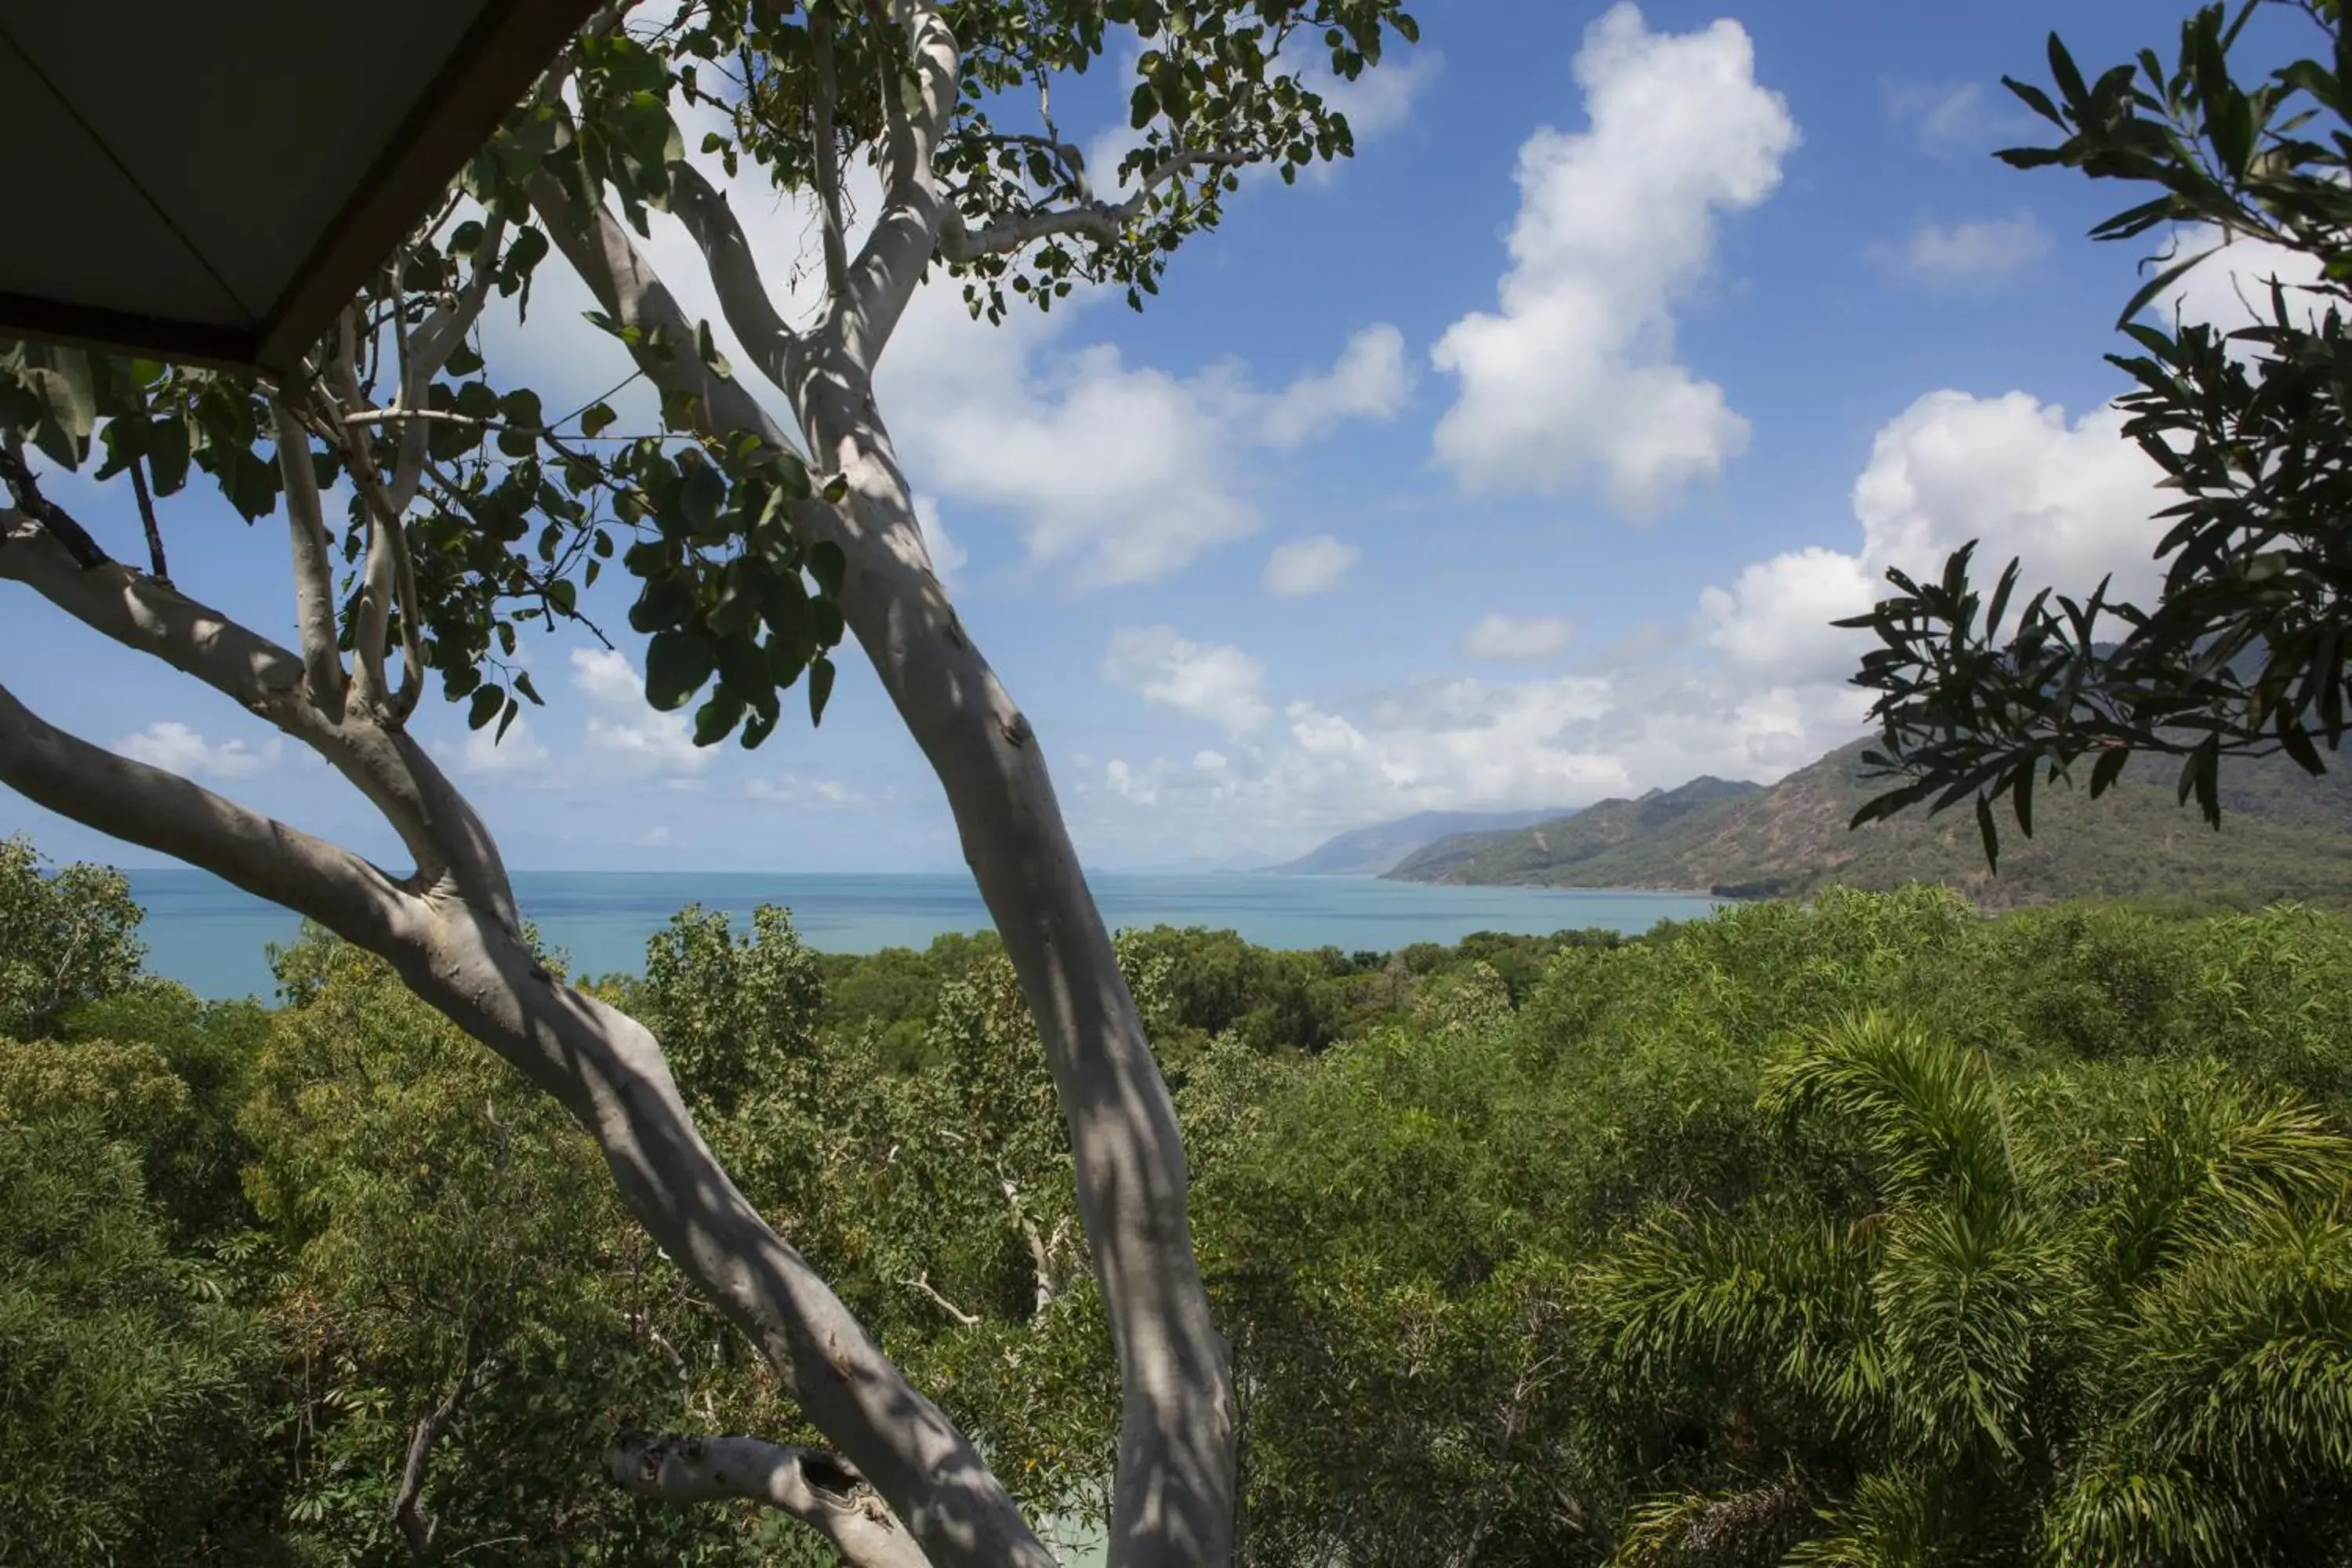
(2284, 835)
(1370, 851)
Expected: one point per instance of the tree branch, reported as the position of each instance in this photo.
(314, 583)
(813, 1485)
(432, 820)
(145, 806)
(416, 1529)
(18, 474)
(387, 575)
(1175, 1494)
(1102, 221)
(156, 564)
(922, 1285)
(439, 335)
(907, 230)
(828, 154)
(774, 348)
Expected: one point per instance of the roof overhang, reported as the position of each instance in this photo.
(213, 181)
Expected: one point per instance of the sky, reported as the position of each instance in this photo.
(1520, 461)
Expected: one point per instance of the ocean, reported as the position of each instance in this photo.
(213, 938)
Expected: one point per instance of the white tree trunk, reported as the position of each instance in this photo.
(1173, 1498)
(1173, 1503)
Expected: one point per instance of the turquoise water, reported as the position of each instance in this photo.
(210, 936)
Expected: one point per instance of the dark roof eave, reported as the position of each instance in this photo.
(509, 45)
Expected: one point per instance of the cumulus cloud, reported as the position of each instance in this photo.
(1214, 681)
(630, 739)
(2230, 287)
(1576, 375)
(177, 748)
(1311, 565)
(2074, 500)
(1368, 382)
(485, 755)
(1966, 256)
(1112, 473)
(1501, 637)
(1555, 742)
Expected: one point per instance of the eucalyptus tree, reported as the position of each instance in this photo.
(472, 511)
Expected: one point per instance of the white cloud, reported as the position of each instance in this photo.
(177, 748)
(1382, 98)
(1968, 256)
(1112, 473)
(1560, 742)
(1576, 373)
(484, 755)
(629, 737)
(1961, 118)
(1311, 565)
(2074, 501)
(793, 790)
(1214, 681)
(1129, 785)
(1775, 620)
(1501, 637)
(2230, 287)
(1370, 382)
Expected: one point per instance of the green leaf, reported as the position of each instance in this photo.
(487, 702)
(664, 603)
(820, 689)
(717, 718)
(677, 664)
(701, 492)
(709, 351)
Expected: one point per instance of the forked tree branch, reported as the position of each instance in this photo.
(813, 1485)
(927, 1468)
(432, 820)
(907, 230)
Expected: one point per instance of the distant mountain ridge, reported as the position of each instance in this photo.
(1374, 850)
(2285, 836)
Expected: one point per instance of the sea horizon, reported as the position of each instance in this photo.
(213, 938)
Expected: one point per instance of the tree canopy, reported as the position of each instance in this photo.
(2244, 651)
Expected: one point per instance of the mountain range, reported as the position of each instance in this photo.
(1370, 851)
(2284, 835)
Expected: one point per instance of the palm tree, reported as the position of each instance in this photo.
(2096, 1314)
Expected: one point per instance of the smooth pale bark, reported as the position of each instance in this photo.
(813, 1486)
(1174, 1490)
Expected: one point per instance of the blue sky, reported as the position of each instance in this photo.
(1519, 462)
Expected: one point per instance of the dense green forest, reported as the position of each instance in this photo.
(1874, 1230)
(2284, 834)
